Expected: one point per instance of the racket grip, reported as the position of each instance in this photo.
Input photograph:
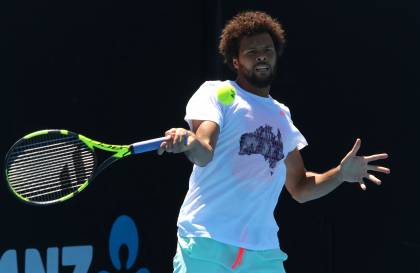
(150, 145)
(147, 145)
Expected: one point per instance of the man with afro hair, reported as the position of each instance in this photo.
(244, 151)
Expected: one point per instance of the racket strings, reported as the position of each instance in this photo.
(49, 167)
(47, 185)
(59, 183)
(35, 168)
(43, 177)
(43, 153)
(44, 141)
(32, 168)
(51, 195)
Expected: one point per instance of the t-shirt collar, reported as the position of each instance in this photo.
(249, 94)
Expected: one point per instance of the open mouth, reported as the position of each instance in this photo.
(262, 68)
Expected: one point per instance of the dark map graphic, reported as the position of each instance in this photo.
(263, 142)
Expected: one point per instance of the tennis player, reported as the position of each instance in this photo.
(243, 153)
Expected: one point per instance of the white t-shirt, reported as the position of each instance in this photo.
(233, 198)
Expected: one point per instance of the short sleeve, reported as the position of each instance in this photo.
(203, 105)
(294, 138)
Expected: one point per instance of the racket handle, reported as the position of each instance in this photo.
(147, 145)
(150, 145)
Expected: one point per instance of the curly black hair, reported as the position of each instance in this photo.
(249, 23)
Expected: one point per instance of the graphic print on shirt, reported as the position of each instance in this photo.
(263, 142)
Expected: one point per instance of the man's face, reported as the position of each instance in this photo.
(256, 61)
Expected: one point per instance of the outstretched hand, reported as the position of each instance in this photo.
(354, 168)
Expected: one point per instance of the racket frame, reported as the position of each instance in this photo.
(118, 150)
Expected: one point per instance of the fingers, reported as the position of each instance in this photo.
(164, 145)
(378, 169)
(356, 147)
(375, 168)
(175, 142)
(170, 133)
(375, 157)
(353, 151)
(374, 179)
(360, 167)
(180, 135)
(161, 151)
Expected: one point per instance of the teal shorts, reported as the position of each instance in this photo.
(204, 255)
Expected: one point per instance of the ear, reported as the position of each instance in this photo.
(235, 63)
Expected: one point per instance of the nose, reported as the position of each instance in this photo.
(261, 58)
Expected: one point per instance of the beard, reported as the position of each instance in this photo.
(260, 81)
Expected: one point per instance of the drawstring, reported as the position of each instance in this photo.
(238, 258)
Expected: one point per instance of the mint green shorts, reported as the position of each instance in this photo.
(204, 255)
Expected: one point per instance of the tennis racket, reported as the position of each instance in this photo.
(52, 166)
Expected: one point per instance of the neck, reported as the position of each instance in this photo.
(259, 91)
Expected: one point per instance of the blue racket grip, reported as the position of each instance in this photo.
(150, 145)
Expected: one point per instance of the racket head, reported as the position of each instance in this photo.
(49, 166)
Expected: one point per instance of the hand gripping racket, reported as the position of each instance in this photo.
(51, 166)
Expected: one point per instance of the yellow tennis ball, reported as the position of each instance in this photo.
(226, 94)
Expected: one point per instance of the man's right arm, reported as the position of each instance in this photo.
(200, 145)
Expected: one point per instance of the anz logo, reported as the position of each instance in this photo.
(123, 233)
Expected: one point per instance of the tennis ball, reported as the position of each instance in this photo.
(226, 94)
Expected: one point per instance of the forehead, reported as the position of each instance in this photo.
(256, 41)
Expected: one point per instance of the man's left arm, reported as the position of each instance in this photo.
(305, 186)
